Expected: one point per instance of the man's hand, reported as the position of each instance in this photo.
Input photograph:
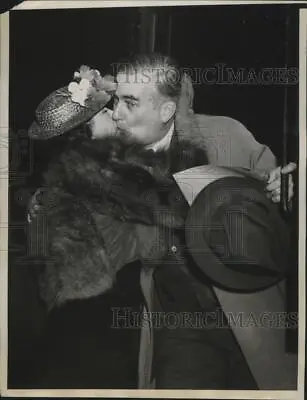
(273, 187)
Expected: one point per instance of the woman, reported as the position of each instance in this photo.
(108, 207)
(75, 347)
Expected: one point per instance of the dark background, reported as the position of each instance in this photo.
(46, 47)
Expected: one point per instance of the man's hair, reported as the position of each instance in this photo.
(164, 69)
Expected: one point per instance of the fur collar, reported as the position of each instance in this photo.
(108, 203)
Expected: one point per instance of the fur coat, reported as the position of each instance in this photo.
(106, 203)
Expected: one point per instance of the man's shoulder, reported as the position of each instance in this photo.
(228, 141)
(217, 124)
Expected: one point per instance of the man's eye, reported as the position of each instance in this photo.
(131, 104)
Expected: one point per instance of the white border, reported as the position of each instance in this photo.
(4, 162)
(164, 394)
(49, 4)
(4, 92)
(302, 199)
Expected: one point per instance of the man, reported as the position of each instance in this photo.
(227, 141)
(145, 111)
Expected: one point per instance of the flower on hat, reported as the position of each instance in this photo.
(89, 85)
(79, 91)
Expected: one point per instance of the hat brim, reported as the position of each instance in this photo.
(58, 114)
(37, 132)
(243, 278)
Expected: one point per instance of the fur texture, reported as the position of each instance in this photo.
(108, 203)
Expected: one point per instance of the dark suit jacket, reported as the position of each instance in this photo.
(191, 354)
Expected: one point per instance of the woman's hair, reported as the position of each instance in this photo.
(81, 132)
(50, 149)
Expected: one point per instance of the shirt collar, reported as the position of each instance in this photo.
(164, 143)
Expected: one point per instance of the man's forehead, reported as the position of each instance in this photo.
(136, 83)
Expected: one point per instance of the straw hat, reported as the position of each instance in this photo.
(71, 105)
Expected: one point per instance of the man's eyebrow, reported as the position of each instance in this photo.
(130, 97)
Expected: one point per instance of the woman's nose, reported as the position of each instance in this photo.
(109, 112)
(116, 112)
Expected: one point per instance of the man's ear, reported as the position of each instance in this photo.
(167, 111)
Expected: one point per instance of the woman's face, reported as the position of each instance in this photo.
(102, 124)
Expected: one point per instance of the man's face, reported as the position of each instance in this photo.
(137, 108)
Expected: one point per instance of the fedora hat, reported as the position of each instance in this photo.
(236, 236)
(72, 105)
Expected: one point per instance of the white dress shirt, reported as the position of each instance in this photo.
(164, 143)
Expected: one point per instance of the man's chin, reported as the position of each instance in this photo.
(129, 137)
(125, 135)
